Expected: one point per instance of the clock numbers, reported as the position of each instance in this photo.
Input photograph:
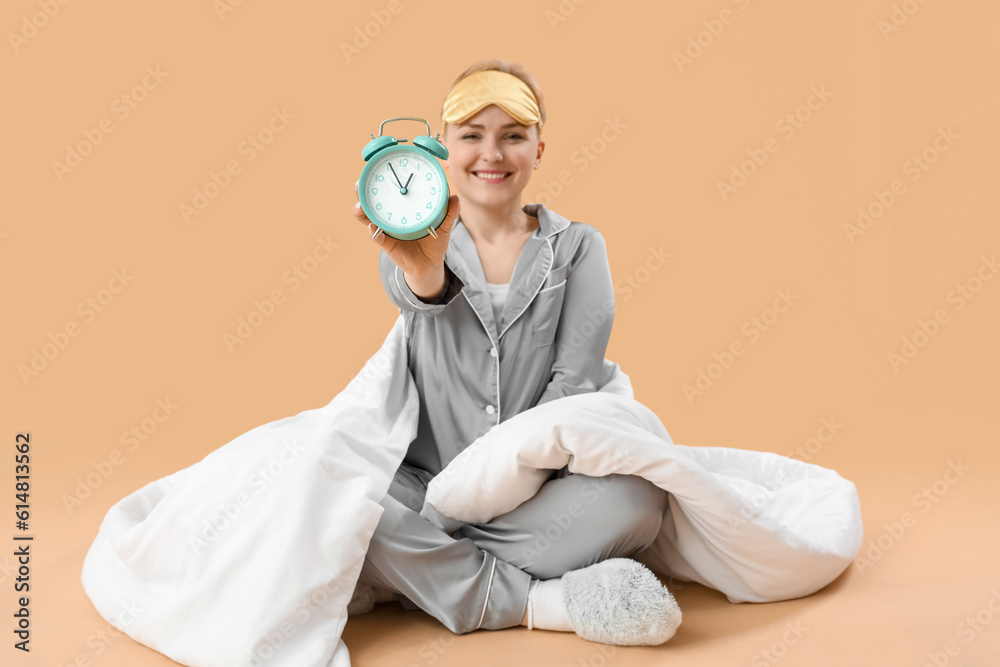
(399, 198)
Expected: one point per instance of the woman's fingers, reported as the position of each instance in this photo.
(452, 214)
(359, 213)
(381, 239)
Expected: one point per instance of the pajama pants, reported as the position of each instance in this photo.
(479, 576)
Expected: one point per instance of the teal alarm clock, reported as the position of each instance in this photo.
(403, 189)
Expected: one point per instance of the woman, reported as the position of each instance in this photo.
(508, 307)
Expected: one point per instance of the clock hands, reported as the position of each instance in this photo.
(402, 188)
(396, 177)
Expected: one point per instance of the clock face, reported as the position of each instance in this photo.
(405, 189)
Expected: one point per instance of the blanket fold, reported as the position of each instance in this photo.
(250, 556)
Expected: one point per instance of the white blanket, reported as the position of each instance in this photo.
(251, 555)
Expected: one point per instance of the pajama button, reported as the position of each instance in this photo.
(493, 352)
(490, 409)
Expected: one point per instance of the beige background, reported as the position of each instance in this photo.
(662, 133)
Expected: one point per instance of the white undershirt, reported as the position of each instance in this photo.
(498, 296)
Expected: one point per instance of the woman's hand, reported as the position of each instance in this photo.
(418, 258)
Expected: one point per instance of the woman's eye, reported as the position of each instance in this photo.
(515, 136)
(469, 136)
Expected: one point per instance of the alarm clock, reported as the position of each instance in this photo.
(403, 189)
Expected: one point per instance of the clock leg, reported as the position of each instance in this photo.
(378, 230)
(430, 230)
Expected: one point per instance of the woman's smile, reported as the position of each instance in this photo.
(491, 176)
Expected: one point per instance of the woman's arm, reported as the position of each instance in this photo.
(405, 297)
(424, 270)
(588, 311)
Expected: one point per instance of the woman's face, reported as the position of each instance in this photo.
(491, 157)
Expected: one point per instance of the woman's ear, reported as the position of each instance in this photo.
(538, 156)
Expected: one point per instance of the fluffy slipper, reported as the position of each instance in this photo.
(365, 596)
(620, 601)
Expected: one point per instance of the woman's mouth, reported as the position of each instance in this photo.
(491, 176)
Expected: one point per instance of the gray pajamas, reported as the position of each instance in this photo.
(472, 373)
(478, 578)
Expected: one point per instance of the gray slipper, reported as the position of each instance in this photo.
(620, 601)
(365, 596)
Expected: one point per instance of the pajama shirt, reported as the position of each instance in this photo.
(474, 370)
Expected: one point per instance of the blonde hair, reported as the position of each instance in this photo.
(508, 67)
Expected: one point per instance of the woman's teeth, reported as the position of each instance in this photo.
(491, 177)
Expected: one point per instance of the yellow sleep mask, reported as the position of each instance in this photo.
(481, 89)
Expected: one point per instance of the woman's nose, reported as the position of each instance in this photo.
(492, 152)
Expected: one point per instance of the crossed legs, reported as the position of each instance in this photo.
(479, 577)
